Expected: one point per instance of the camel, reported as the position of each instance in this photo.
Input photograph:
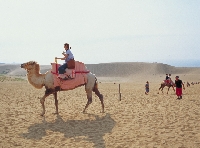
(163, 84)
(188, 84)
(38, 80)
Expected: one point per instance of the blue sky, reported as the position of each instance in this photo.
(103, 31)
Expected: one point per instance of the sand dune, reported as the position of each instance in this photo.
(138, 120)
(120, 69)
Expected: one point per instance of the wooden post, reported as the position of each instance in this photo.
(119, 93)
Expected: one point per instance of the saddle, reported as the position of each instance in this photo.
(168, 82)
(77, 76)
(70, 73)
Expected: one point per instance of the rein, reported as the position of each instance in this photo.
(82, 71)
(55, 73)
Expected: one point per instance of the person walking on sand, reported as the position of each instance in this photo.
(147, 88)
(179, 84)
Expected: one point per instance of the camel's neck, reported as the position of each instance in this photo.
(36, 79)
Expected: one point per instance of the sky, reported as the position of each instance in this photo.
(101, 31)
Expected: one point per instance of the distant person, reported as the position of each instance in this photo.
(69, 61)
(179, 84)
(166, 79)
(147, 88)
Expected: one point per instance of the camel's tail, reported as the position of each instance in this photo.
(95, 85)
(96, 90)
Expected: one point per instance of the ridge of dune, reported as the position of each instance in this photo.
(137, 68)
(117, 69)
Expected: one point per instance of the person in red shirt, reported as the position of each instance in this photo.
(179, 84)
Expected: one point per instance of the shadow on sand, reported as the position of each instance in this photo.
(93, 130)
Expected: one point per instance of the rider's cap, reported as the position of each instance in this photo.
(177, 76)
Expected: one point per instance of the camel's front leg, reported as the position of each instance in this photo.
(102, 104)
(100, 98)
(160, 89)
(56, 102)
(42, 102)
(173, 88)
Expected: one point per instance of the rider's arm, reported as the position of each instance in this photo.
(61, 58)
(66, 55)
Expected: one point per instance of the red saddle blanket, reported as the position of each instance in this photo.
(167, 81)
(80, 77)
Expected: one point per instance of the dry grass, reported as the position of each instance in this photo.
(138, 120)
(11, 78)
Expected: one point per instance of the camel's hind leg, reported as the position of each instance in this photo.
(89, 97)
(168, 90)
(92, 86)
(99, 95)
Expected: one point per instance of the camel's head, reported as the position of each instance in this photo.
(29, 65)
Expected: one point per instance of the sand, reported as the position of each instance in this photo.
(138, 120)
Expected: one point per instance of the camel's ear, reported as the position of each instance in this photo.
(33, 62)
